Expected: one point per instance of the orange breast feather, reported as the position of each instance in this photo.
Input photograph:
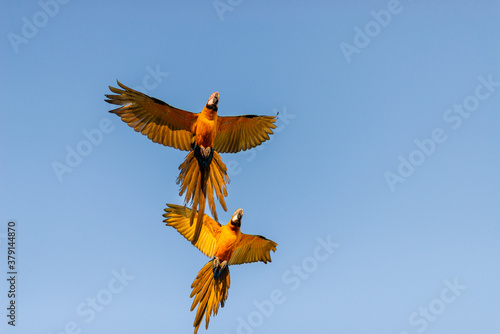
(227, 243)
(206, 131)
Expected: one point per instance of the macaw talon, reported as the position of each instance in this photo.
(218, 267)
(204, 155)
(206, 152)
(215, 264)
(222, 266)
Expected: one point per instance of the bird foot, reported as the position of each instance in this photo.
(205, 152)
(218, 267)
(204, 155)
(223, 265)
(215, 262)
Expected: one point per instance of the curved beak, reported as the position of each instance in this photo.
(236, 219)
(213, 100)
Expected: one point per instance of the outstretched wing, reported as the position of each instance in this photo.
(253, 248)
(240, 133)
(177, 216)
(156, 119)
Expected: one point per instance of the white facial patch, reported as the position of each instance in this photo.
(238, 213)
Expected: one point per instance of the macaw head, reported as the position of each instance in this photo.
(213, 101)
(236, 218)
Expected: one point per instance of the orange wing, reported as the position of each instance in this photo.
(154, 118)
(240, 133)
(177, 216)
(253, 248)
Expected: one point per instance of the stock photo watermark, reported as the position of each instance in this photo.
(93, 138)
(234, 167)
(292, 279)
(223, 6)
(88, 309)
(453, 117)
(363, 37)
(31, 26)
(12, 273)
(421, 318)
(153, 79)
(76, 155)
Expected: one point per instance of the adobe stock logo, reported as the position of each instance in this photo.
(373, 28)
(93, 138)
(74, 156)
(153, 79)
(454, 117)
(89, 309)
(222, 6)
(293, 277)
(30, 27)
(425, 315)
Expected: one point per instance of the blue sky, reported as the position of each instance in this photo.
(380, 186)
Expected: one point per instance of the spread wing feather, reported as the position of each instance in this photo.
(177, 216)
(253, 248)
(240, 133)
(154, 118)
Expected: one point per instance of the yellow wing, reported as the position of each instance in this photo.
(154, 118)
(253, 248)
(177, 216)
(240, 133)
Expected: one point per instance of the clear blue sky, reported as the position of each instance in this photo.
(387, 148)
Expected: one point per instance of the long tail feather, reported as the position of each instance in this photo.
(209, 293)
(201, 181)
(202, 191)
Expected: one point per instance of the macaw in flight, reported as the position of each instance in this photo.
(205, 135)
(225, 245)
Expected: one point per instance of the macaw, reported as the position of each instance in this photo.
(225, 245)
(204, 134)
